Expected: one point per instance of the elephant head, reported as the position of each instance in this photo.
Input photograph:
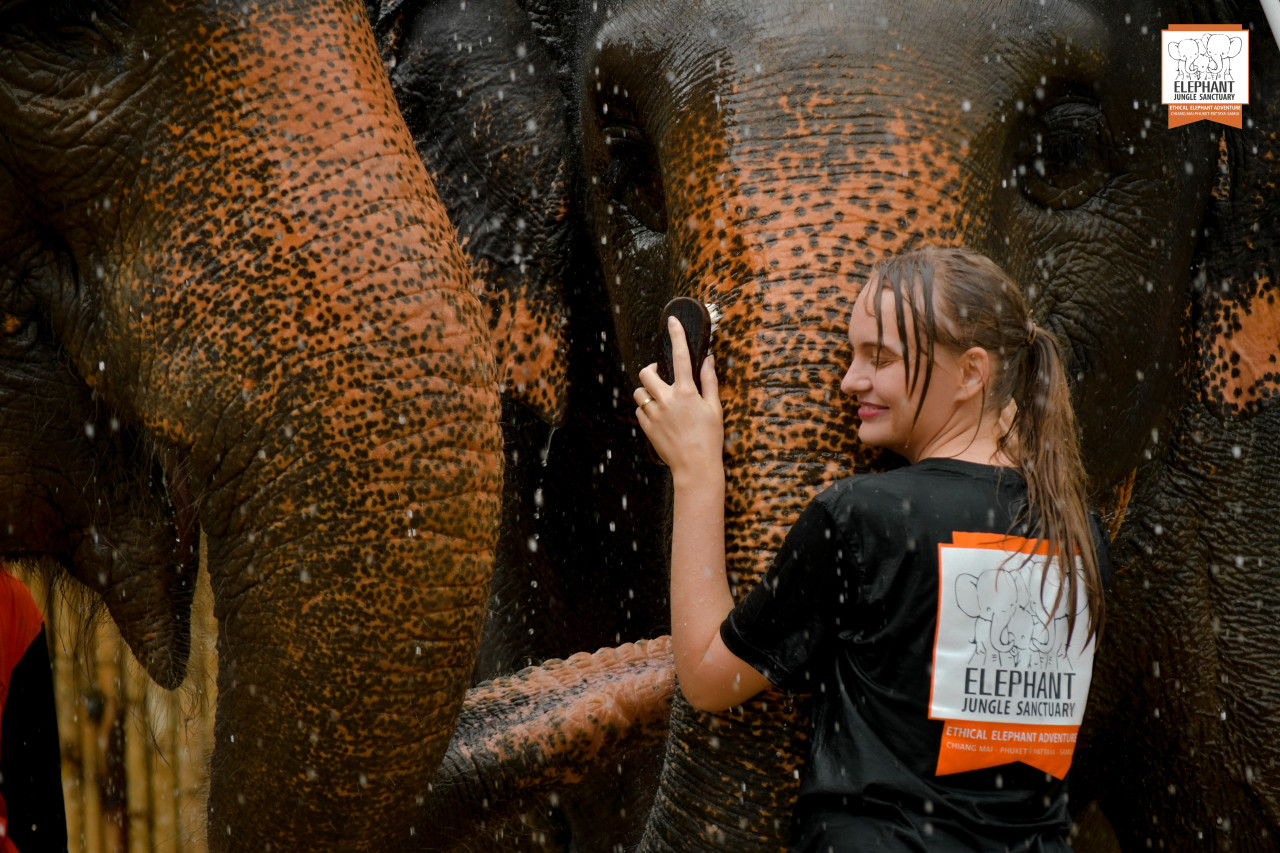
(230, 297)
(1218, 50)
(760, 156)
(1000, 604)
(1187, 52)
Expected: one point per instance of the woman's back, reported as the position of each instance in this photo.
(850, 614)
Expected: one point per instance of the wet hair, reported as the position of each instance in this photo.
(961, 299)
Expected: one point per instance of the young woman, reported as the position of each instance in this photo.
(930, 610)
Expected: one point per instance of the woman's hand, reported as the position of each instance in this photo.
(685, 427)
(687, 430)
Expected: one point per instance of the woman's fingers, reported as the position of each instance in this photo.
(710, 382)
(651, 385)
(680, 361)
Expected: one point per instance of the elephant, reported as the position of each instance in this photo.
(232, 302)
(759, 156)
(1004, 602)
(234, 311)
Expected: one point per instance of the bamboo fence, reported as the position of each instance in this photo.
(134, 756)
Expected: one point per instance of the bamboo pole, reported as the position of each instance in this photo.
(138, 789)
(63, 639)
(134, 756)
(109, 652)
(89, 708)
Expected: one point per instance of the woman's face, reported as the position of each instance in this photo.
(877, 379)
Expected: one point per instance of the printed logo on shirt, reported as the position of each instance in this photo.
(1005, 681)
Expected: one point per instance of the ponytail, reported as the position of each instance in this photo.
(1043, 440)
(961, 299)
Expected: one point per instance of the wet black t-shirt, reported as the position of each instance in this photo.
(848, 612)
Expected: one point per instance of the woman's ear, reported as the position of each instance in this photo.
(975, 370)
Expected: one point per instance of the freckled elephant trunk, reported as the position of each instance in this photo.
(797, 244)
(308, 339)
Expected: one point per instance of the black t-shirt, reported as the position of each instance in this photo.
(850, 611)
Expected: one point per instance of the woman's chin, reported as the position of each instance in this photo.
(870, 436)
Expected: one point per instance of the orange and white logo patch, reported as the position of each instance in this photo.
(1205, 73)
(1006, 682)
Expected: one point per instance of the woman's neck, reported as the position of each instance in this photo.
(969, 440)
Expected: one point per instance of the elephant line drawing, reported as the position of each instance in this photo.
(1206, 58)
(1013, 626)
(1003, 603)
(354, 294)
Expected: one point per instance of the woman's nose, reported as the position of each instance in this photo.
(853, 381)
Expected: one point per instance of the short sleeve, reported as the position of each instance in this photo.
(785, 622)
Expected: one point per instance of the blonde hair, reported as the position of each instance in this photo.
(960, 299)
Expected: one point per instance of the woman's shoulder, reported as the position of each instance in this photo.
(872, 492)
(902, 492)
(925, 474)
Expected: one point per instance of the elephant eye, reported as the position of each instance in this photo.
(1068, 158)
(17, 333)
(633, 177)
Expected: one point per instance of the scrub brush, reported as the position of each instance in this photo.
(699, 320)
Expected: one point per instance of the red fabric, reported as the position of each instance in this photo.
(6, 843)
(20, 623)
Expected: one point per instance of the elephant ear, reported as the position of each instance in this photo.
(481, 95)
(1238, 324)
(967, 595)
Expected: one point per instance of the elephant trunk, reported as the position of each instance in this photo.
(794, 260)
(309, 341)
(1002, 634)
